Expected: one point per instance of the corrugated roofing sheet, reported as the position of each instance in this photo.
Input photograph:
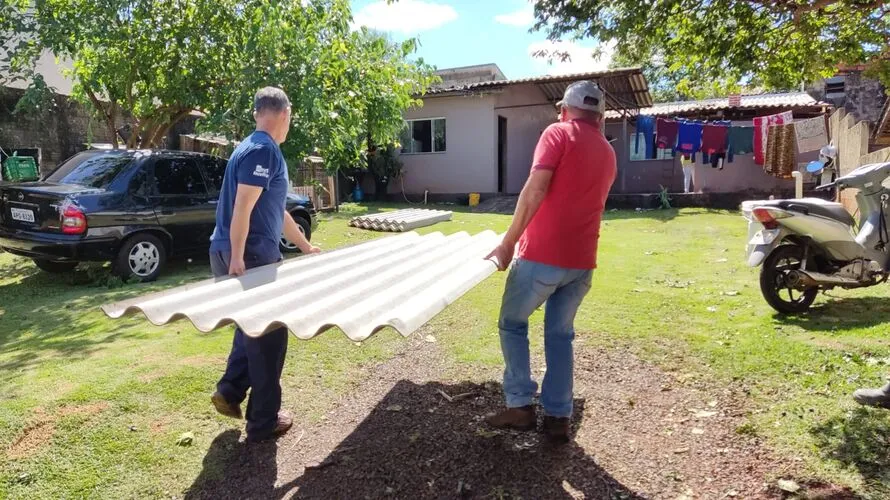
(624, 87)
(400, 220)
(400, 281)
(780, 100)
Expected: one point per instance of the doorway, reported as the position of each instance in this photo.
(502, 154)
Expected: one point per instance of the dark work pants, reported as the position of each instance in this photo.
(255, 363)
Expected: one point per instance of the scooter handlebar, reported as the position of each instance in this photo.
(825, 187)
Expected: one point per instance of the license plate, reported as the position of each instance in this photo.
(22, 215)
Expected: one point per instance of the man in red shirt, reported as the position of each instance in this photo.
(556, 226)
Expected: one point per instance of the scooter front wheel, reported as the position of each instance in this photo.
(774, 284)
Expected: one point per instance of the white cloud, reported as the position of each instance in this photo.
(520, 18)
(580, 57)
(405, 16)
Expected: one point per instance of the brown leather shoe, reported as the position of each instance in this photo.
(557, 429)
(223, 407)
(520, 419)
(285, 422)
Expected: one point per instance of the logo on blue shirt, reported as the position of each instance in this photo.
(261, 172)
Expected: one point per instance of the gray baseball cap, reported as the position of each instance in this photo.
(584, 95)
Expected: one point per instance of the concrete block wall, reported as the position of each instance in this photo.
(862, 97)
(58, 133)
(61, 132)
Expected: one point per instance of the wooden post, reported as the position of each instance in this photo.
(624, 155)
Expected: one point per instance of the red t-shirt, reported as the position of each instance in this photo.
(565, 230)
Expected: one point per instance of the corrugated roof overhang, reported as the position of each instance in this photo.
(626, 88)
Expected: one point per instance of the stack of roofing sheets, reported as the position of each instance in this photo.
(400, 220)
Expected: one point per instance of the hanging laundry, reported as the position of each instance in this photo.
(811, 134)
(717, 160)
(761, 129)
(780, 158)
(741, 142)
(666, 133)
(637, 154)
(713, 138)
(646, 131)
(689, 137)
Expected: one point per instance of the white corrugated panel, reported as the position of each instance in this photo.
(400, 220)
(400, 281)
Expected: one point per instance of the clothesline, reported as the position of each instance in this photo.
(771, 139)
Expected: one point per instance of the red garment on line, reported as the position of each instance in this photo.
(714, 138)
(666, 133)
(761, 129)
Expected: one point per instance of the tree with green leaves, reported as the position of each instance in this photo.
(700, 47)
(155, 61)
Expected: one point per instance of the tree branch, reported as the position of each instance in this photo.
(108, 116)
(163, 130)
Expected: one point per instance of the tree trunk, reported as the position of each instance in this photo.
(109, 115)
(165, 129)
(380, 188)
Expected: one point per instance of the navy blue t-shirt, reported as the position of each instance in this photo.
(257, 161)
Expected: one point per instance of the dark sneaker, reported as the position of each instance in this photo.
(557, 429)
(224, 407)
(520, 419)
(879, 398)
(285, 422)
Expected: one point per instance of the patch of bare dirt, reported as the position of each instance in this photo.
(87, 410)
(40, 433)
(31, 439)
(639, 433)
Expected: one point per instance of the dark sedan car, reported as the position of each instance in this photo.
(135, 209)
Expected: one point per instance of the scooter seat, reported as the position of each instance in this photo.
(818, 207)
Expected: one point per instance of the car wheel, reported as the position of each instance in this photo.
(142, 257)
(304, 225)
(55, 267)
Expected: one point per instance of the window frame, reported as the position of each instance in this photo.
(205, 165)
(432, 120)
(156, 188)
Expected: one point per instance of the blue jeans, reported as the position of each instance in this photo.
(529, 285)
(254, 363)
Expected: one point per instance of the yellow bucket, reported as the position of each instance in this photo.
(474, 199)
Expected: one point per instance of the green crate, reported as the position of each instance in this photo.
(20, 169)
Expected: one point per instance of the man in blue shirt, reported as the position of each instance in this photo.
(250, 219)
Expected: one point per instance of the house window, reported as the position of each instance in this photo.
(423, 136)
(639, 154)
(835, 85)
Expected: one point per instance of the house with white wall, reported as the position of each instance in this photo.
(477, 131)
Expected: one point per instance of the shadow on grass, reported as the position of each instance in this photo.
(17, 268)
(859, 441)
(413, 444)
(843, 314)
(58, 315)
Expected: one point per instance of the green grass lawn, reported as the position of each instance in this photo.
(93, 407)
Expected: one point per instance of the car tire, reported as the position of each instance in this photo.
(142, 257)
(288, 247)
(55, 267)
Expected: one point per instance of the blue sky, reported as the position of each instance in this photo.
(466, 32)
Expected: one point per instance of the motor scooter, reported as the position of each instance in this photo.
(810, 244)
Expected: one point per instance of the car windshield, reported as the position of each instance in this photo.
(95, 169)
